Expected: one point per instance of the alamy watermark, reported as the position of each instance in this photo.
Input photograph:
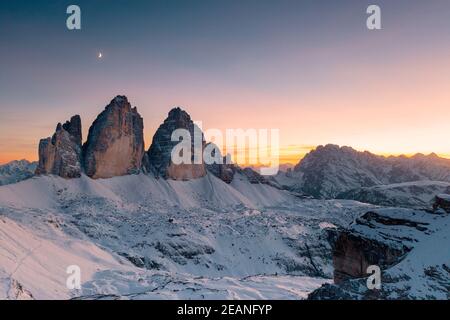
(374, 19)
(73, 21)
(373, 22)
(250, 146)
(73, 281)
(374, 280)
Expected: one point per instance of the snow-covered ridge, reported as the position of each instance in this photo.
(415, 194)
(16, 171)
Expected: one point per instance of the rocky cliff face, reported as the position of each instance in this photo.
(404, 243)
(159, 160)
(61, 154)
(353, 254)
(442, 202)
(115, 144)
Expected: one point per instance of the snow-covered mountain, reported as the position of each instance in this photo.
(16, 171)
(140, 237)
(330, 170)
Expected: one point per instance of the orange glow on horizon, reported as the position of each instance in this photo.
(289, 155)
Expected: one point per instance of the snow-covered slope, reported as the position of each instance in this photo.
(34, 259)
(416, 194)
(16, 171)
(139, 237)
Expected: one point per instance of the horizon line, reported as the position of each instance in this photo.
(286, 159)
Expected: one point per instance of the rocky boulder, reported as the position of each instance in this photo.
(115, 144)
(159, 160)
(61, 154)
(442, 202)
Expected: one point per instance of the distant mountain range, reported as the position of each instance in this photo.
(16, 171)
(328, 172)
(331, 171)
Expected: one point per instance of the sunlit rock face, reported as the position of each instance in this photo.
(159, 155)
(61, 154)
(115, 144)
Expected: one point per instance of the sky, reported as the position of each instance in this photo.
(311, 69)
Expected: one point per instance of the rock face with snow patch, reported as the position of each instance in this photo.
(403, 243)
(380, 237)
(353, 254)
(115, 144)
(61, 154)
(159, 155)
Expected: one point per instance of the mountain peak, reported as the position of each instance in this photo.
(177, 113)
(121, 102)
(120, 99)
(159, 153)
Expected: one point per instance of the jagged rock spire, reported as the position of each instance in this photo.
(115, 144)
(159, 154)
(61, 154)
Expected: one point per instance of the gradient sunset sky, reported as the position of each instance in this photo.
(310, 68)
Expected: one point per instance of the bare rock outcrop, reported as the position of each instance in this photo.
(398, 241)
(115, 144)
(73, 127)
(159, 160)
(353, 254)
(61, 154)
(442, 202)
